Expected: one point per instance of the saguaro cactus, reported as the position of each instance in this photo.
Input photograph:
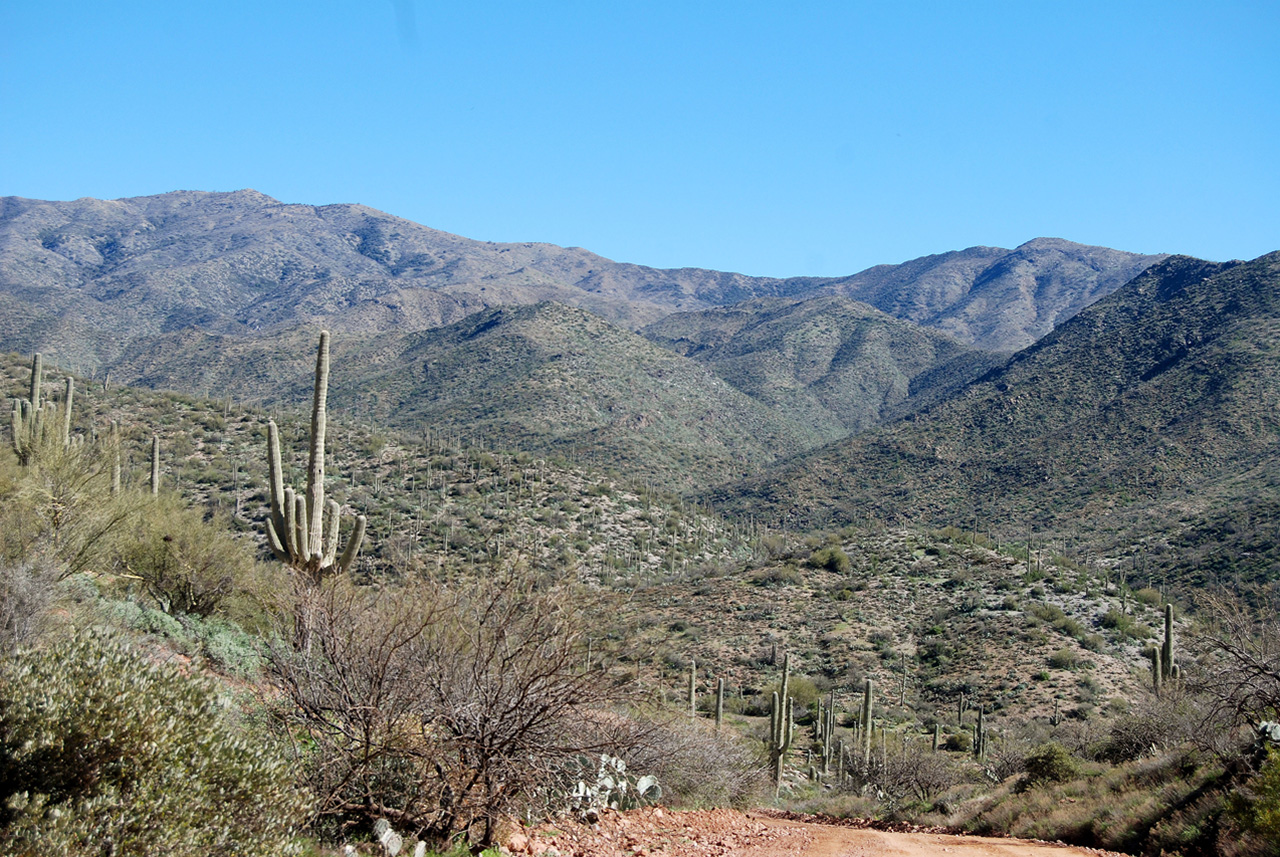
(866, 722)
(1168, 659)
(303, 527)
(826, 730)
(155, 464)
(29, 416)
(35, 424)
(980, 736)
(782, 728)
(1164, 664)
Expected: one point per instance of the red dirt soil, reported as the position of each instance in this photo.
(657, 832)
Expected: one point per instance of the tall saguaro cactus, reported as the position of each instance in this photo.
(782, 727)
(1164, 664)
(303, 526)
(865, 721)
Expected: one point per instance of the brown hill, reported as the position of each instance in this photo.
(83, 279)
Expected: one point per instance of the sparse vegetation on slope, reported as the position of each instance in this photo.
(1147, 425)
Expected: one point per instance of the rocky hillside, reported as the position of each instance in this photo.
(835, 365)
(1149, 425)
(1001, 300)
(87, 280)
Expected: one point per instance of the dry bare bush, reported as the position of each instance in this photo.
(441, 709)
(1238, 659)
(697, 765)
(915, 773)
(1153, 726)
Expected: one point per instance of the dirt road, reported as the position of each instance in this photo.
(654, 832)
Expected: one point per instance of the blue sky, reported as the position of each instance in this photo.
(784, 138)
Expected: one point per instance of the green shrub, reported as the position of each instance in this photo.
(1148, 596)
(831, 558)
(1257, 805)
(1050, 763)
(186, 565)
(1124, 625)
(1063, 659)
(103, 752)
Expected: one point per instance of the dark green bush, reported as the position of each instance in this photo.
(1063, 659)
(1257, 806)
(1050, 763)
(103, 752)
(831, 558)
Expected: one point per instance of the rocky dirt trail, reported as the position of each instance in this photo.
(657, 832)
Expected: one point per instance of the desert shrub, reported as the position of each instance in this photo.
(1257, 805)
(1046, 612)
(103, 752)
(1158, 724)
(61, 507)
(1063, 659)
(832, 558)
(186, 564)
(445, 708)
(698, 766)
(1124, 625)
(777, 575)
(1049, 763)
(27, 590)
(1149, 596)
(799, 688)
(917, 774)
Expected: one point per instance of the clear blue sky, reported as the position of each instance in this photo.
(778, 138)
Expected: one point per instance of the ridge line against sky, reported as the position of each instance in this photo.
(769, 139)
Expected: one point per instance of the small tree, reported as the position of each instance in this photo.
(442, 710)
(186, 564)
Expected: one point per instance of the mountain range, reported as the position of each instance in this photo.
(1126, 401)
(242, 263)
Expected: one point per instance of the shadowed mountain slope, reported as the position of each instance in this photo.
(1151, 417)
(837, 365)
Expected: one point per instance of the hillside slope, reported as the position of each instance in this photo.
(1001, 300)
(545, 378)
(837, 365)
(1152, 417)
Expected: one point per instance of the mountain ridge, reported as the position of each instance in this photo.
(1148, 419)
(241, 263)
